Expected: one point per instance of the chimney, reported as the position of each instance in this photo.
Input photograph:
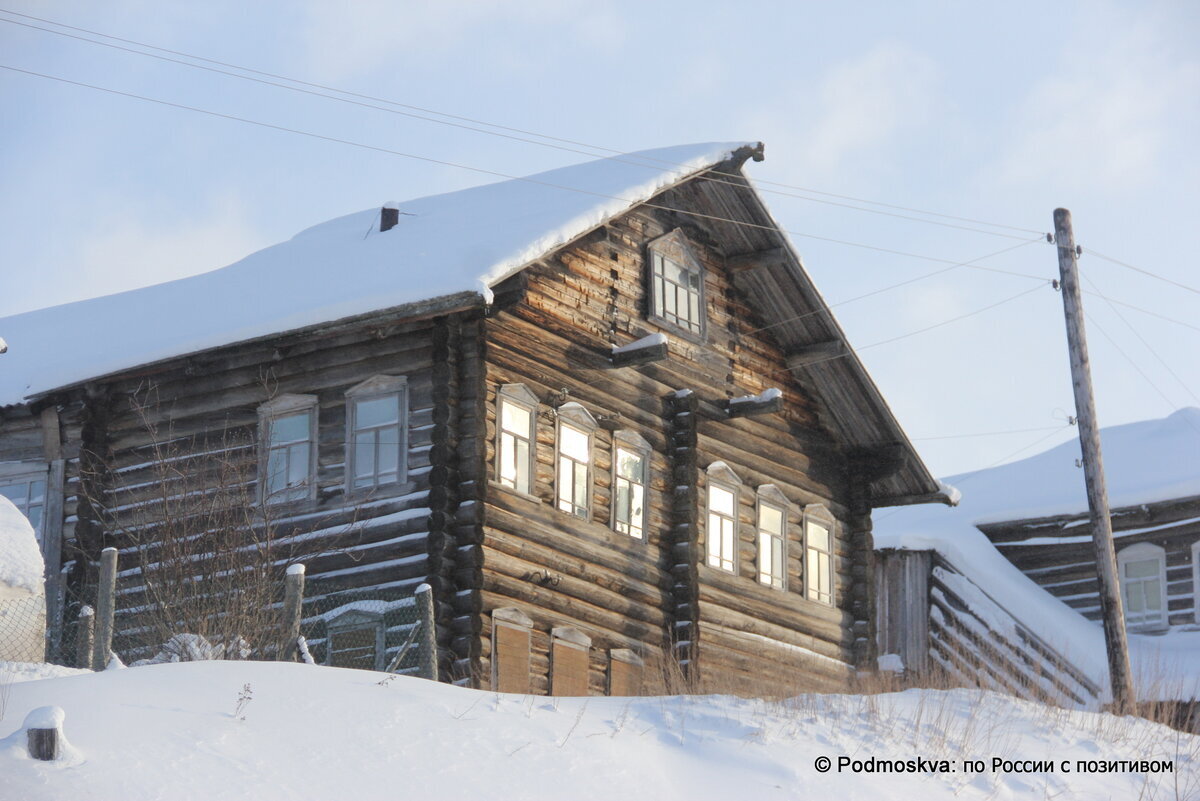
(389, 215)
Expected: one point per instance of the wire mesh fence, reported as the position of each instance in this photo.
(358, 629)
(22, 628)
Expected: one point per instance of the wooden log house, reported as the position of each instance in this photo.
(602, 411)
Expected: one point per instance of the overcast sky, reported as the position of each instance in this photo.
(998, 112)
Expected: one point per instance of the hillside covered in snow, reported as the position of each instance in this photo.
(274, 731)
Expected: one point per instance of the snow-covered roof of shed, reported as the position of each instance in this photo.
(1144, 462)
(459, 242)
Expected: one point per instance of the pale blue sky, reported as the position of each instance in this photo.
(999, 112)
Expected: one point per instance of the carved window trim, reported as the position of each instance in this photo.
(632, 442)
(375, 388)
(772, 547)
(1141, 553)
(569, 470)
(674, 248)
(819, 556)
(721, 529)
(269, 414)
(519, 396)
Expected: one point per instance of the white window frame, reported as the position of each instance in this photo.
(674, 247)
(573, 416)
(770, 574)
(818, 515)
(1196, 580)
(1144, 552)
(17, 473)
(520, 396)
(632, 442)
(374, 388)
(716, 554)
(277, 409)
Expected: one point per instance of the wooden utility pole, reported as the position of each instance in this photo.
(1111, 608)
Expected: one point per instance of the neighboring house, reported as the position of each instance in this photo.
(602, 411)
(943, 594)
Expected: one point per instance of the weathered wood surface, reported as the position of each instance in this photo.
(1057, 552)
(575, 306)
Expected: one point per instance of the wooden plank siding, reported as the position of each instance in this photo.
(638, 594)
(1057, 552)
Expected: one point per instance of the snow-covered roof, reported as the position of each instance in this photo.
(1144, 462)
(460, 242)
(21, 564)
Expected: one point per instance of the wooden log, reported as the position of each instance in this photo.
(293, 604)
(43, 728)
(427, 652)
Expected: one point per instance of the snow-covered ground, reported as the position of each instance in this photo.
(1145, 462)
(179, 731)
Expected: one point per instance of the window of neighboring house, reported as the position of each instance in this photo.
(1196, 580)
(772, 541)
(516, 418)
(27, 491)
(722, 529)
(818, 556)
(1143, 571)
(377, 432)
(288, 426)
(676, 284)
(574, 472)
(631, 472)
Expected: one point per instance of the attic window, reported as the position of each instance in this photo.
(676, 284)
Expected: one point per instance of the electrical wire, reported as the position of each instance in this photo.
(987, 433)
(1120, 263)
(482, 170)
(981, 310)
(1142, 310)
(1142, 339)
(828, 309)
(762, 185)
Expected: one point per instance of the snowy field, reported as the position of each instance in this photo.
(179, 731)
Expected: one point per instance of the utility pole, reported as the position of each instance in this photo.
(1111, 608)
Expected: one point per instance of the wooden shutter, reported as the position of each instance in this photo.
(569, 649)
(624, 672)
(510, 650)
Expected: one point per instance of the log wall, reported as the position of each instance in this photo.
(657, 593)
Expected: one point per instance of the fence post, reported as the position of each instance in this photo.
(293, 605)
(106, 591)
(85, 631)
(427, 652)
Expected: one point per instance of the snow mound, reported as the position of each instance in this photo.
(279, 731)
(21, 565)
(459, 242)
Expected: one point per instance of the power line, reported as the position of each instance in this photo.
(1092, 322)
(987, 433)
(1142, 310)
(482, 170)
(828, 309)
(1143, 272)
(499, 128)
(981, 310)
(1147, 345)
